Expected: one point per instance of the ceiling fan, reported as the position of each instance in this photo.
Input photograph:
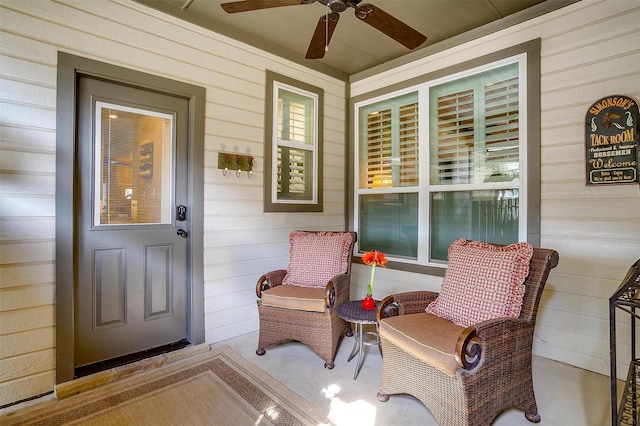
(368, 13)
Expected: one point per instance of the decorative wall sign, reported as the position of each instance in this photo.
(611, 141)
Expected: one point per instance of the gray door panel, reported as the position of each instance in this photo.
(131, 291)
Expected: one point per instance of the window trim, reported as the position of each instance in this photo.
(531, 51)
(274, 80)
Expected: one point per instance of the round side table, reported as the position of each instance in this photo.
(352, 311)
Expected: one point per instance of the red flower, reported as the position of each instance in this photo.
(374, 257)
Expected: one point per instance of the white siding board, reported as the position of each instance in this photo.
(27, 251)
(14, 159)
(27, 182)
(589, 73)
(229, 317)
(29, 273)
(230, 300)
(588, 209)
(14, 298)
(26, 387)
(27, 115)
(584, 325)
(28, 139)
(624, 229)
(606, 249)
(585, 285)
(26, 342)
(571, 357)
(26, 319)
(220, 334)
(21, 70)
(225, 253)
(215, 222)
(26, 365)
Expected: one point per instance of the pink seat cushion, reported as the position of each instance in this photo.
(482, 282)
(316, 257)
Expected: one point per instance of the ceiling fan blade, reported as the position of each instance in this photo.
(322, 35)
(249, 5)
(393, 27)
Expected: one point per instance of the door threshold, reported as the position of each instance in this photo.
(128, 359)
(72, 387)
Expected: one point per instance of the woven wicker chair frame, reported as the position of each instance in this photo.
(494, 358)
(321, 331)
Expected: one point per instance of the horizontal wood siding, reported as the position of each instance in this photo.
(589, 50)
(240, 241)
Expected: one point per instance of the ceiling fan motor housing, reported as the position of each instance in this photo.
(338, 5)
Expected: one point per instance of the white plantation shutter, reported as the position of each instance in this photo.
(379, 149)
(409, 144)
(455, 130)
(502, 124)
(391, 145)
(294, 163)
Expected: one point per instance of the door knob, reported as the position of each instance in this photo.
(183, 233)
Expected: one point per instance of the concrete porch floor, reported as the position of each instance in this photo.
(566, 395)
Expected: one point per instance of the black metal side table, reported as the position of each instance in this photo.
(352, 311)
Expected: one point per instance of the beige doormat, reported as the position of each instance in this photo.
(216, 388)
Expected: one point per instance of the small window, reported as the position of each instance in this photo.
(293, 146)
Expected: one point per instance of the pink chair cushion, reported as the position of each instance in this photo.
(482, 282)
(316, 257)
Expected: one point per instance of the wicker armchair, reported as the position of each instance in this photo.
(490, 362)
(292, 307)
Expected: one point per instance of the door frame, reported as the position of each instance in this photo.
(70, 69)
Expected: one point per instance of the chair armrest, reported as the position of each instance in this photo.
(410, 302)
(269, 280)
(337, 290)
(488, 340)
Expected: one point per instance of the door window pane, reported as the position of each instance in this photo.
(133, 166)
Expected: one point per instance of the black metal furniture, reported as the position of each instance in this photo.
(627, 299)
(352, 311)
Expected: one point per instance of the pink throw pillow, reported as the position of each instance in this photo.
(316, 257)
(482, 282)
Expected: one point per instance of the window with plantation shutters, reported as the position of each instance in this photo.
(295, 148)
(471, 135)
(293, 141)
